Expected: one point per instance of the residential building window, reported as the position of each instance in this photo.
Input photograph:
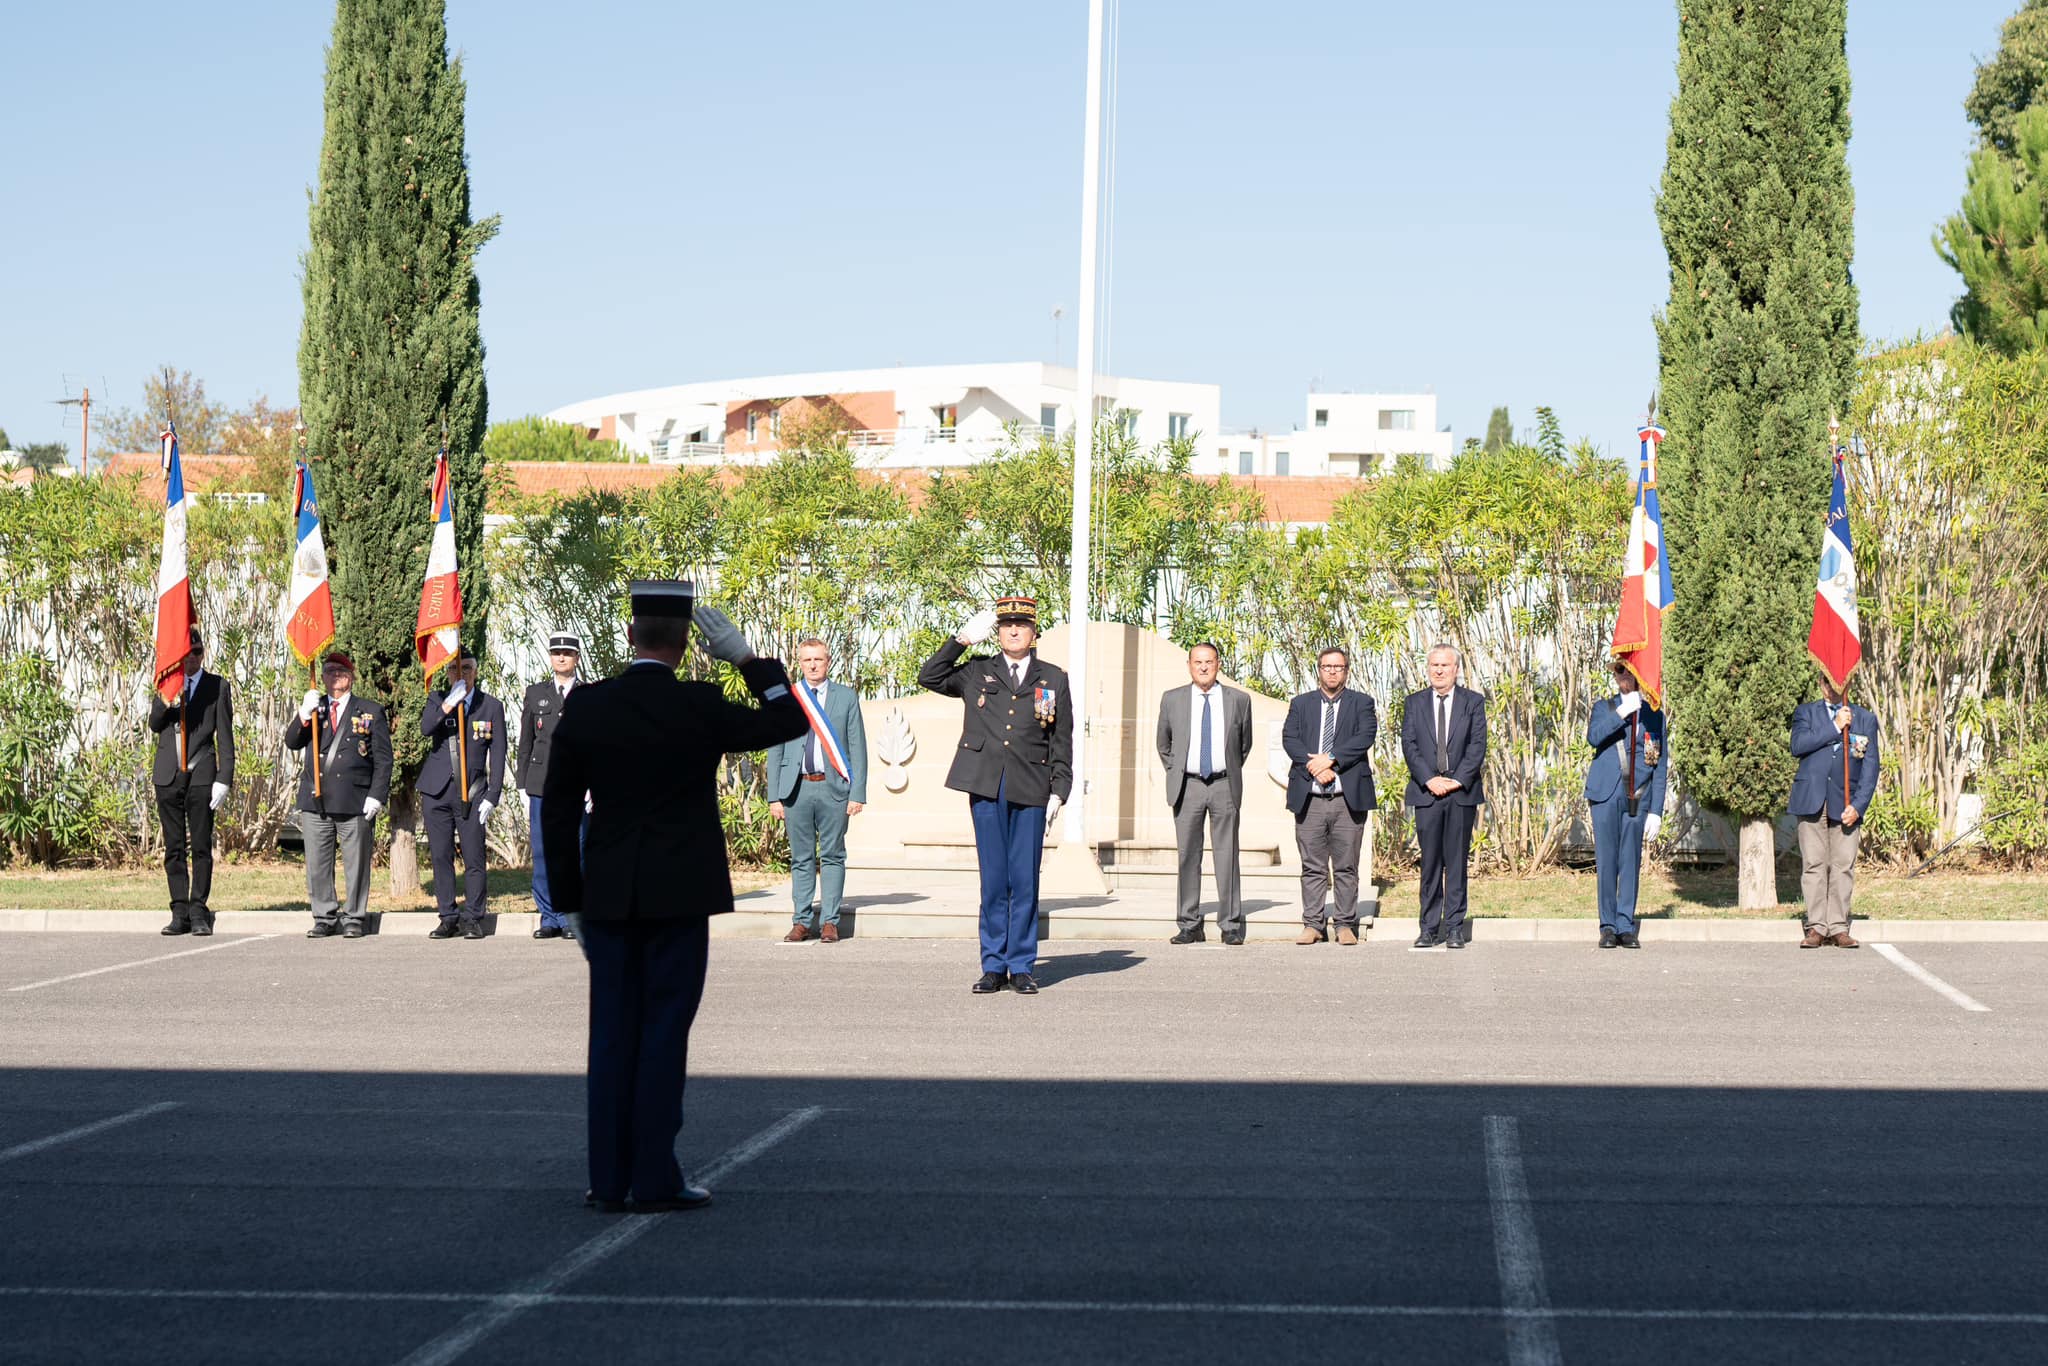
(1049, 418)
(1127, 422)
(1177, 426)
(948, 415)
(752, 418)
(1280, 462)
(1322, 417)
(1244, 462)
(775, 424)
(1397, 419)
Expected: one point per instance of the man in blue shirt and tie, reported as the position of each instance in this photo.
(813, 799)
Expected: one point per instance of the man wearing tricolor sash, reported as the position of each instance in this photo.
(815, 783)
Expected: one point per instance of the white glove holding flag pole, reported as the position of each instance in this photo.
(1052, 808)
(978, 627)
(483, 810)
(720, 638)
(220, 794)
(455, 696)
(1630, 704)
(1652, 823)
(309, 706)
(371, 806)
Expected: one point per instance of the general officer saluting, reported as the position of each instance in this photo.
(1836, 745)
(539, 713)
(647, 747)
(459, 785)
(195, 767)
(343, 784)
(1628, 746)
(1016, 765)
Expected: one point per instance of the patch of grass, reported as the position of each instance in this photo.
(271, 885)
(1710, 893)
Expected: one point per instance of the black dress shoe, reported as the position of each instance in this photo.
(1023, 984)
(990, 984)
(1233, 938)
(473, 929)
(176, 927)
(1609, 939)
(352, 930)
(1629, 941)
(447, 929)
(590, 1201)
(320, 931)
(201, 929)
(548, 932)
(1424, 941)
(1193, 936)
(689, 1197)
(1456, 941)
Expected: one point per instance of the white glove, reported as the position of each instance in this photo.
(371, 806)
(1630, 704)
(587, 804)
(455, 696)
(220, 794)
(978, 627)
(484, 809)
(721, 639)
(310, 705)
(1652, 823)
(1052, 808)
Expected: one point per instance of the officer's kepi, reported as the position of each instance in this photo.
(662, 597)
(562, 640)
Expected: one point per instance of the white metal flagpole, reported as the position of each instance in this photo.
(1084, 432)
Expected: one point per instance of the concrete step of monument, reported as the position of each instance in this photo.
(1151, 854)
(1071, 918)
(1135, 856)
(1268, 880)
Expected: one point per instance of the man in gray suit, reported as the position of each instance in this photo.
(815, 782)
(1205, 733)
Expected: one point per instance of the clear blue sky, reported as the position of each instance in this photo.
(1366, 194)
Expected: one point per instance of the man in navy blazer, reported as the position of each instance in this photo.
(1329, 734)
(1826, 735)
(1443, 738)
(1618, 724)
(813, 802)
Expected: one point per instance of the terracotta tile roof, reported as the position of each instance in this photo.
(1297, 499)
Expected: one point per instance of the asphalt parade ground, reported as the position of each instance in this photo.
(264, 1149)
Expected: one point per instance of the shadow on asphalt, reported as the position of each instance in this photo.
(1112, 1216)
(1066, 965)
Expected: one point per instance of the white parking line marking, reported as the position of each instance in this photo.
(1926, 978)
(923, 1305)
(145, 962)
(85, 1130)
(1524, 1297)
(502, 1309)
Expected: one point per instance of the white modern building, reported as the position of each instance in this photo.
(1355, 435)
(903, 416)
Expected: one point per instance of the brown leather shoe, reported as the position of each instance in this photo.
(1346, 935)
(1814, 939)
(798, 934)
(1310, 935)
(828, 934)
(1844, 941)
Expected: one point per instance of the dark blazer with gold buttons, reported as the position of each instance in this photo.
(1020, 741)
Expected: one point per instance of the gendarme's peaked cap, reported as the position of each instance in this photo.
(562, 640)
(662, 597)
(1017, 608)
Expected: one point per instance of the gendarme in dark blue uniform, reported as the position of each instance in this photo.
(1618, 833)
(1016, 765)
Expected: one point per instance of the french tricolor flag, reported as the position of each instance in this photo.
(1835, 641)
(828, 741)
(310, 625)
(438, 633)
(174, 615)
(1645, 579)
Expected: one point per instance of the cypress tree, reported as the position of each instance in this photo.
(391, 355)
(1757, 351)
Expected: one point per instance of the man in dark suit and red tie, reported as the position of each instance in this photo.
(1329, 734)
(195, 767)
(647, 747)
(1443, 739)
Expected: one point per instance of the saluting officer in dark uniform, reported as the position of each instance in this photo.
(1016, 765)
(347, 740)
(647, 748)
(195, 767)
(539, 713)
(459, 785)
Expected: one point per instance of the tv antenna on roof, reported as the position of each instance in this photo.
(84, 405)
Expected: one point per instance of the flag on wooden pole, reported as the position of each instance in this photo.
(1645, 579)
(174, 615)
(1835, 641)
(438, 631)
(310, 626)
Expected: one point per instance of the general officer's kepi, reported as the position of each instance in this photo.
(562, 640)
(1017, 609)
(662, 597)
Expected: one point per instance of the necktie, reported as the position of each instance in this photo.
(1016, 677)
(1208, 761)
(1443, 735)
(562, 691)
(1329, 735)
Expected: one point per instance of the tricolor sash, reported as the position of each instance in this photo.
(821, 726)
